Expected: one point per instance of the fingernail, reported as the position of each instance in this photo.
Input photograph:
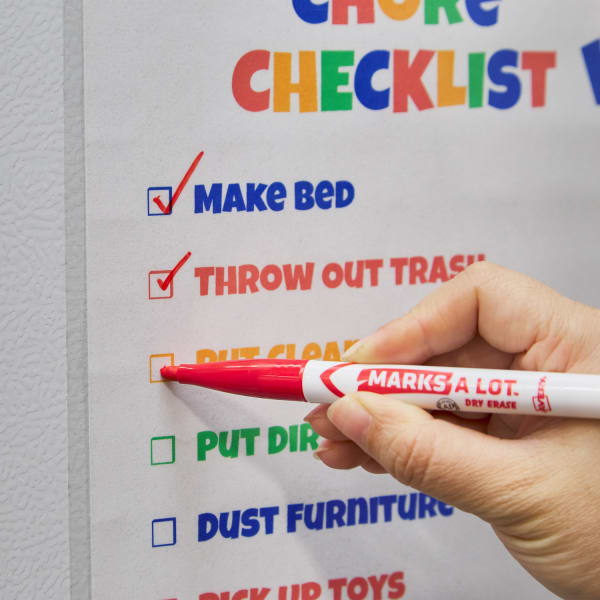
(324, 446)
(350, 417)
(313, 413)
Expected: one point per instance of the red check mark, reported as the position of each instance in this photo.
(169, 207)
(166, 282)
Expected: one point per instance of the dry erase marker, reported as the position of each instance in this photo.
(435, 388)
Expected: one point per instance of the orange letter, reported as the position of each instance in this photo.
(306, 88)
(399, 11)
(448, 93)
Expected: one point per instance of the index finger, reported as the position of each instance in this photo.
(510, 311)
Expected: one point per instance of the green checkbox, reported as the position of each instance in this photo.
(162, 450)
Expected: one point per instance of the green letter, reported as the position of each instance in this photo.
(432, 11)
(250, 435)
(207, 440)
(308, 437)
(232, 451)
(277, 439)
(332, 78)
(476, 70)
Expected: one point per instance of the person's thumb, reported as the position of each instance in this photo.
(475, 472)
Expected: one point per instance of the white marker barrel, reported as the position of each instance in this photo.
(459, 389)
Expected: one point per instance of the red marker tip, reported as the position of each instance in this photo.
(169, 372)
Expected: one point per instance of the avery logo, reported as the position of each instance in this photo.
(404, 381)
(541, 402)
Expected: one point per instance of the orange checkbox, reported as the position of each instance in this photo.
(157, 362)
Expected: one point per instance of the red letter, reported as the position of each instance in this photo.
(256, 594)
(221, 283)
(271, 277)
(407, 80)
(358, 589)
(364, 9)
(298, 275)
(538, 63)
(377, 585)
(333, 275)
(438, 270)
(398, 264)
(204, 274)
(311, 590)
(357, 280)
(337, 585)
(373, 267)
(246, 97)
(397, 587)
(461, 386)
(457, 264)
(248, 276)
(418, 270)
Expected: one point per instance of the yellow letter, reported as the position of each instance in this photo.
(448, 93)
(283, 87)
(399, 11)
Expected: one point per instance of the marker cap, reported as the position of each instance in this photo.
(279, 379)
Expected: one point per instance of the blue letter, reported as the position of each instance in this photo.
(485, 18)
(303, 194)
(250, 523)
(208, 525)
(234, 198)
(275, 193)
(407, 514)
(254, 194)
(268, 513)
(335, 511)
(294, 513)
(204, 200)
(344, 194)
(445, 509)
(501, 59)
(310, 12)
(363, 80)
(591, 55)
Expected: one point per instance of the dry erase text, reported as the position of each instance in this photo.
(357, 274)
(260, 197)
(358, 587)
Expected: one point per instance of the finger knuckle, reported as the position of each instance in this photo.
(412, 456)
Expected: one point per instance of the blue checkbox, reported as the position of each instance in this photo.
(164, 532)
(157, 197)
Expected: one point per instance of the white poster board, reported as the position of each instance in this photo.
(265, 180)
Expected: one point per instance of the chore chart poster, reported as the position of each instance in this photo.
(277, 178)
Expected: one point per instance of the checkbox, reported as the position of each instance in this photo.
(155, 292)
(164, 532)
(162, 450)
(157, 362)
(157, 197)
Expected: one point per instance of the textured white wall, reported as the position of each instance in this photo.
(34, 516)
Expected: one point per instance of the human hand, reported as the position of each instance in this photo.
(534, 479)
